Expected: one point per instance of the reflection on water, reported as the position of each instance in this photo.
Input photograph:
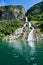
(32, 52)
(25, 48)
(20, 53)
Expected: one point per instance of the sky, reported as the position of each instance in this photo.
(26, 3)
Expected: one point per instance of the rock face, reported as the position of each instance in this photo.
(12, 12)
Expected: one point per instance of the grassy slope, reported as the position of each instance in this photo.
(39, 25)
(8, 27)
(35, 13)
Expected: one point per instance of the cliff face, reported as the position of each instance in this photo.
(36, 12)
(12, 12)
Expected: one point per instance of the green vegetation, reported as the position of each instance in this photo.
(8, 27)
(39, 25)
(35, 13)
(11, 18)
(10, 12)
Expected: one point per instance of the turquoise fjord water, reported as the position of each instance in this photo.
(21, 52)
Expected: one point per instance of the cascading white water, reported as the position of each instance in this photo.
(30, 36)
(20, 30)
(31, 42)
(31, 39)
(26, 19)
(30, 25)
(24, 25)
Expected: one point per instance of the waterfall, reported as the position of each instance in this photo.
(31, 42)
(30, 25)
(24, 25)
(26, 19)
(30, 36)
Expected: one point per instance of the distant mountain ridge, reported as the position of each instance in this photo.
(12, 12)
(36, 12)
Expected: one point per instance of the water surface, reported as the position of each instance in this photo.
(21, 52)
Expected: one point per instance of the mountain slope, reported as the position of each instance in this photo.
(11, 18)
(12, 12)
(36, 12)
